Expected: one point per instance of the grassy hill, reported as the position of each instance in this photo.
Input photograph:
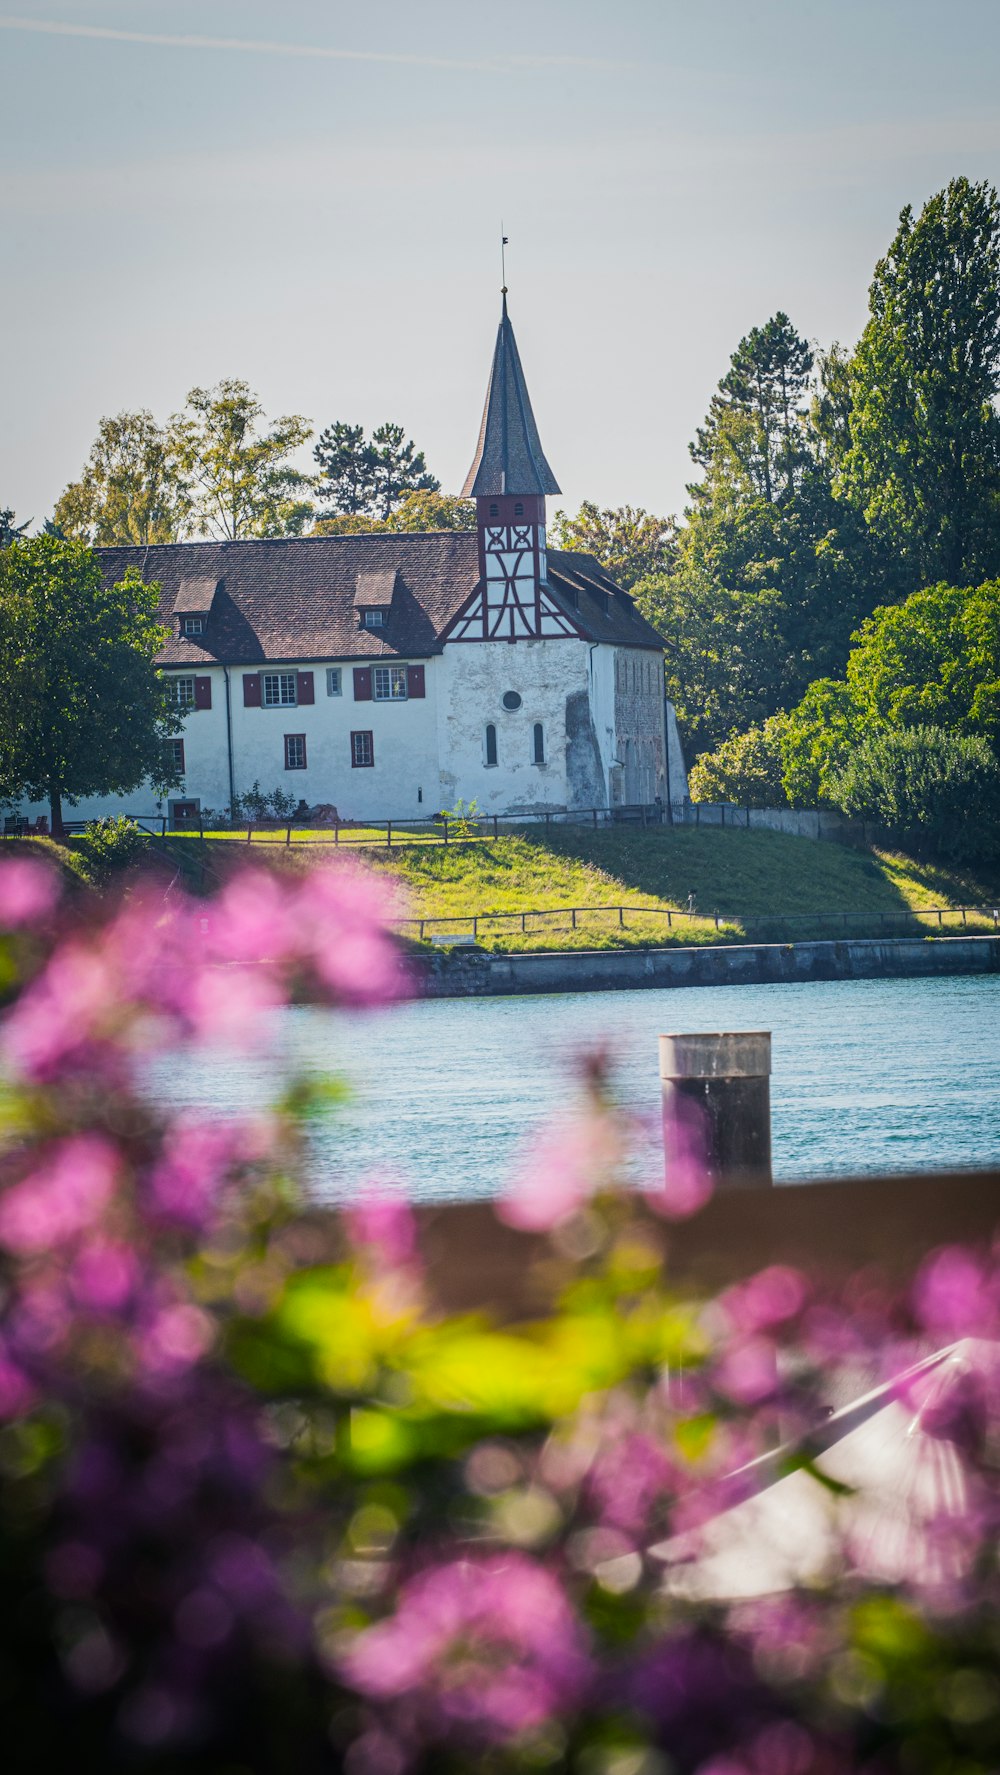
(760, 885)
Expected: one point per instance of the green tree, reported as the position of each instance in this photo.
(924, 458)
(819, 736)
(418, 511)
(132, 489)
(361, 476)
(932, 661)
(630, 543)
(746, 769)
(242, 482)
(9, 530)
(85, 711)
(937, 791)
(753, 433)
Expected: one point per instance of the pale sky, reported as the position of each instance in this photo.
(310, 195)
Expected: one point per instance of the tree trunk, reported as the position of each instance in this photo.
(55, 813)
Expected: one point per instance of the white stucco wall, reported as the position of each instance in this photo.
(404, 738)
(472, 680)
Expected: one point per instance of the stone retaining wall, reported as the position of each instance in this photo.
(465, 974)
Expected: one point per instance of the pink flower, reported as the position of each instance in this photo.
(251, 920)
(342, 916)
(747, 1372)
(488, 1645)
(28, 892)
(63, 1197)
(768, 1298)
(560, 1172)
(687, 1182)
(953, 1294)
(61, 1012)
(104, 1276)
(196, 1159)
(383, 1224)
(17, 1395)
(177, 1338)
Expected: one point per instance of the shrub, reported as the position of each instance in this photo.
(938, 791)
(745, 769)
(112, 843)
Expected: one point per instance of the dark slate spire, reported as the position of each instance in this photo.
(509, 456)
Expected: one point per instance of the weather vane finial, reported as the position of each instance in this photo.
(504, 242)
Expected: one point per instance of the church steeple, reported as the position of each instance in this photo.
(509, 479)
(509, 458)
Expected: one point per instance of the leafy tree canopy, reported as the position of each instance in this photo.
(933, 661)
(237, 464)
(938, 791)
(923, 462)
(746, 769)
(753, 433)
(9, 530)
(418, 511)
(132, 489)
(362, 476)
(85, 711)
(818, 739)
(630, 543)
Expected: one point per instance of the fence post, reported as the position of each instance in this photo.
(249, 830)
(670, 919)
(288, 835)
(573, 917)
(336, 834)
(963, 916)
(548, 821)
(621, 917)
(717, 1106)
(496, 827)
(163, 825)
(445, 824)
(697, 813)
(523, 925)
(716, 916)
(388, 833)
(475, 929)
(939, 917)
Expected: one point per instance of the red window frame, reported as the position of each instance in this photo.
(362, 742)
(295, 739)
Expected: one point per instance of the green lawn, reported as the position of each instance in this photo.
(760, 885)
(757, 886)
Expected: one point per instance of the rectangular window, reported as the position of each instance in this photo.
(181, 692)
(334, 682)
(362, 750)
(390, 684)
(374, 619)
(174, 752)
(279, 690)
(295, 751)
(194, 625)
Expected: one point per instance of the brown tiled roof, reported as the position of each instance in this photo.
(195, 595)
(293, 598)
(373, 590)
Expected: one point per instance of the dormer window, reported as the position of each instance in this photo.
(373, 619)
(519, 509)
(494, 510)
(193, 625)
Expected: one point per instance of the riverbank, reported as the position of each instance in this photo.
(476, 974)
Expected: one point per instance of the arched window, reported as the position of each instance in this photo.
(491, 744)
(538, 744)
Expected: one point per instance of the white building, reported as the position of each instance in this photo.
(393, 674)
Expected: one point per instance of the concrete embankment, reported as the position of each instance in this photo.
(473, 974)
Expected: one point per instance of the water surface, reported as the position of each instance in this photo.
(869, 1075)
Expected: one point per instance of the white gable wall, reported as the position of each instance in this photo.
(552, 679)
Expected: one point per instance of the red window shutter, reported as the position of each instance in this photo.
(203, 693)
(251, 690)
(306, 692)
(362, 684)
(415, 681)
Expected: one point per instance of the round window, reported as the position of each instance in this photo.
(511, 701)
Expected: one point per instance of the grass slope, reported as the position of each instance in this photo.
(761, 885)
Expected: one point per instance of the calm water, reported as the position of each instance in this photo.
(869, 1075)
